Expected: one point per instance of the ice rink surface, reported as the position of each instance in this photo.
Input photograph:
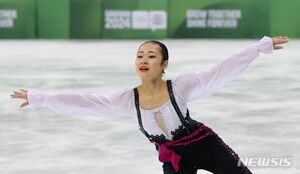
(257, 114)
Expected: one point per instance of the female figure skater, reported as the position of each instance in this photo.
(159, 106)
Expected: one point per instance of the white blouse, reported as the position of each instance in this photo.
(162, 120)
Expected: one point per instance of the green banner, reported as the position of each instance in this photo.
(128, 19)
(218, 18)
(69, 18)
(85, 19)
(148, 19)
(17, 19)
(53, 18)
(285, 18)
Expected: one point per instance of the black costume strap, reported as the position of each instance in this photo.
(138, 111)
(172, 98)
(173, 101)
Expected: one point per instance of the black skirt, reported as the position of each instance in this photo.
(209, 153)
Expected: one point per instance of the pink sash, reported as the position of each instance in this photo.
(166, 154)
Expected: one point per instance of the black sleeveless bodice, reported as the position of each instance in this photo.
(188, 124)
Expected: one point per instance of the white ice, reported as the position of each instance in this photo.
(257, 114)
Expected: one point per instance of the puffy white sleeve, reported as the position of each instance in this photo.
(118, 103)
(193, 85)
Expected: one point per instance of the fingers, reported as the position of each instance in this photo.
(280, 40)
(24, 104)
(278, 47)
(15, 95)
(24, 90)
(22, 95)
(283, 40)
(18, 95)
(281, 36)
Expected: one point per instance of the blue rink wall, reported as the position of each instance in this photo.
(139, 19)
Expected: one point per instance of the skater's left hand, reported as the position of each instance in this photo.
(279, 40)
(21, 95)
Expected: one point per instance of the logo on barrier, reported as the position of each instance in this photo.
(137, 20)
(212, 18)
(7, 17)
(117, 19)
(140, 20)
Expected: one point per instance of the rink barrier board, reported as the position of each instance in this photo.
(285, 18)
(85, 19)
(17, 19)
(135, 19)
(53, 19)
(148, 19)
(218, 19)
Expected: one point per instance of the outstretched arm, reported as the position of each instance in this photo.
(193, 85)
(113, 104)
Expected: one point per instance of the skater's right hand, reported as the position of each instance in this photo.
(21, 95)
(279, 40)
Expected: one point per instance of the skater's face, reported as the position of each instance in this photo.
(150, 56)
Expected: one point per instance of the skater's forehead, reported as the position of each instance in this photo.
(149, 47)
(149, 51)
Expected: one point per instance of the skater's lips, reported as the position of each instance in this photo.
(144, 68)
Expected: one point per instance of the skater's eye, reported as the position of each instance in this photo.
(139, 56)
(152, 56)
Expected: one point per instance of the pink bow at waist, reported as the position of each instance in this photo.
(166, 154)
